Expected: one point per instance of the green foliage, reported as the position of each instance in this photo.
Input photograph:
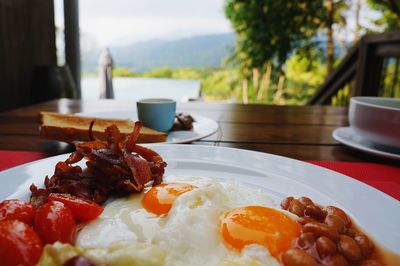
(342, 98)
(269, 30)
(221, 85)
(303, 77)
(390, 86)
(216, 84)
(123, 72)
(186, 73)
(390, 19)
(162, 72)
(340, 7)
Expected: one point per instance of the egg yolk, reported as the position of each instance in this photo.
(159, 199)
(259, 225)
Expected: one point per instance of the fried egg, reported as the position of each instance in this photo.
(197, 221)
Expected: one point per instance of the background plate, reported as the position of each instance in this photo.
(347, 136)
(202, 127)
(375, 212)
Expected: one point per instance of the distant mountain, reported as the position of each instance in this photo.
(198, 51)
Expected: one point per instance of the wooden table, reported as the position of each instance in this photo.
(300, 132)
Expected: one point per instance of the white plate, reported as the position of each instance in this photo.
(377, 213)
(202, 127)
(349, 137)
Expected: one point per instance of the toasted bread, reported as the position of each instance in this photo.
(71, 128)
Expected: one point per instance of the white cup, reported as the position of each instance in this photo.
(376, 119)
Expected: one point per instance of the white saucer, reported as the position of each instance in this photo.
(347, 136)
(202, 126)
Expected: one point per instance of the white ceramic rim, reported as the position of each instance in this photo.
(198, 127)
(336, 134)
(359, 100)
(156, 101)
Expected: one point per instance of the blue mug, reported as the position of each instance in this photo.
(157, 113)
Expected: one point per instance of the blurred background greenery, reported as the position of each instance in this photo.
(283, 50)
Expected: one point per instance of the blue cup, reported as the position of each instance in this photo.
(158, 114)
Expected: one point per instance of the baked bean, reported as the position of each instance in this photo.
(306, 201)
(364, 243)
(337, 260)
(296, 257)
(325, 247)
(305, 220)
(306, 240)
(286, 203)
(349, 248)
(335, 221)
(338, 212)
(320, 229)
(370, 263)
(352, 232)
(296, 207)
(315, 212)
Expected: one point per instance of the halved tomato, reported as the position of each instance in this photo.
(19, 244)
(15, 209)
(54, 222)
(82, 210)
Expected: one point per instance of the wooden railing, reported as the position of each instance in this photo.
(361, 68)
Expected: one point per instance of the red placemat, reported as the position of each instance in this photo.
(10, 159)
(383, 177)
(386, 178)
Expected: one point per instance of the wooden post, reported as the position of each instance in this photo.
(72, 47)
(369, 70)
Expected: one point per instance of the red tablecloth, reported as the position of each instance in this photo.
(10, 159)
(386, 178)
(383, 177)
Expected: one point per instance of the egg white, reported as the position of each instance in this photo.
(189, 233)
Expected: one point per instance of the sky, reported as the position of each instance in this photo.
(106, 23)
(121, 22)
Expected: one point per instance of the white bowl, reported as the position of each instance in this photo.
(376, 119)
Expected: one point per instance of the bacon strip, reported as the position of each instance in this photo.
(114, 167)
(140, 169)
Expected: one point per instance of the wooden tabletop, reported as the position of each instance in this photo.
(300, 132)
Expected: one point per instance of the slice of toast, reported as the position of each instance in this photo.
(71, 128)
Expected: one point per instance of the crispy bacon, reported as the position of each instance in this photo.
(117, 166)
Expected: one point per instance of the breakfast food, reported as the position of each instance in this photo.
(204, 221)
(328, 237)
(117, 166)
(183, 121)
(71, 128)
(181, 218)
(152, 219)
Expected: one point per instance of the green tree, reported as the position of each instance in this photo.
(304, 75)
(186, 73)
(162, 72)
(334, 17)
(220, 85)
(267, 31)
(390, 9)
(123, 72)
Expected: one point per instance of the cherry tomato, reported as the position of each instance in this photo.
(82, 210)
(15, 209)
(54, 222)
(19, 244)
